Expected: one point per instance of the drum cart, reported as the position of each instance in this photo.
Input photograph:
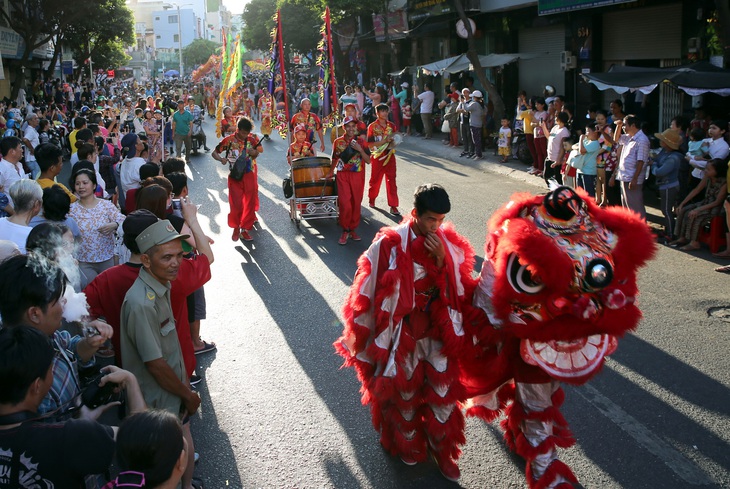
(314, 195)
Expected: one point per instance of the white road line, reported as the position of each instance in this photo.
(680, 465)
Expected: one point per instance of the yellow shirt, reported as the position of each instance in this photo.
(72, 140)
(47, 182)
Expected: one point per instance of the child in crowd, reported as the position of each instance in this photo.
(300, 148)
(698, 146)
(503, 143)
(568, 171)
(589, 149)
(406, 114)
(139, 121)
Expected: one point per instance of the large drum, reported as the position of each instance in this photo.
(308, 177)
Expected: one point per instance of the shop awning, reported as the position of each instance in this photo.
(437, 66)
(462, 63)
(693, 79)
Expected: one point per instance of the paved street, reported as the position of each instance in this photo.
(278, 412)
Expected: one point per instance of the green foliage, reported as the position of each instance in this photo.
(257, 24)
(102, 33)
(197, 52)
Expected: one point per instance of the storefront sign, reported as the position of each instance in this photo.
(9, 42)
(67, 67)
(547, 7)
(429, 8)
(397, 25)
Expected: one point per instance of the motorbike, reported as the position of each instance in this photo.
(197, 133)
(520, 150)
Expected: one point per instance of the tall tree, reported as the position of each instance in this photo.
(199, 51)
(473, 56)
(37, 22)
(257, 24)
(108, 27)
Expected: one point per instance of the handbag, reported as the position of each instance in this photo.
(286, 186)
(348, 153)
(576, 160)
(241, 166)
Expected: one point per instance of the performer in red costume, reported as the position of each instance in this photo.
(382, 158)
(349, 158)
(557, 288)
(403, 332)
(310, 121)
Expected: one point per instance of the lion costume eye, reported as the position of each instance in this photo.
(520, 277)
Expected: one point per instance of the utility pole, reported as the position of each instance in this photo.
(179, 38)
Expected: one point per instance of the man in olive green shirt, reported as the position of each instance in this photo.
(149, 341)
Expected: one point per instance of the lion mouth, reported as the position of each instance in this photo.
(569, 360)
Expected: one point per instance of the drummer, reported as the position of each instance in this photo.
(300, 148)
(349, 156)
(382, 151)
(310, 121)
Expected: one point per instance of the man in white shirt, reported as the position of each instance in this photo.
(634, 154)
(348, 98)
(11, 169)
(427, 98)
(718, 149)
(31, 140)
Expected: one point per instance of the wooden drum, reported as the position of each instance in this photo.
(308, 177)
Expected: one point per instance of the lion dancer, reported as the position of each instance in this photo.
(403, 332)
(557, 289)
(349, 158)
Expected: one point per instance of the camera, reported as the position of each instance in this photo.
(95, 395)
(176, 205)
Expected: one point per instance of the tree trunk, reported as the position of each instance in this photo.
(20, 73)
(723, 32)
(473, 56)
(54, 60)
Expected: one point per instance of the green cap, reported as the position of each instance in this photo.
(158, 233)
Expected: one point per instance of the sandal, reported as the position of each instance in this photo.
(725, 269)
(689, 248)
(206, 348)
(723, 254)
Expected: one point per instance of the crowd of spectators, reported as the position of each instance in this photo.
(102, 302)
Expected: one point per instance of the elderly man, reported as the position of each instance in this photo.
(634, 150)
(149, 341)
(31, 139)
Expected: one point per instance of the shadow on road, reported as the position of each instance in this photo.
(218, 457)
(683, 444)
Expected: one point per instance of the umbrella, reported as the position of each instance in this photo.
(172, 73)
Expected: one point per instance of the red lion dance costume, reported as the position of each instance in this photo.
(557, 288)
(403, 334)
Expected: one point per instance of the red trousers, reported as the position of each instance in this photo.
(378, 171)
(350, 189)
(242, 197)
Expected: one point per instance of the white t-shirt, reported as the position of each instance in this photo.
(555, 141)
(426, 99)
(9, 174)
(31, 135)
(14, 232)
(129, 174)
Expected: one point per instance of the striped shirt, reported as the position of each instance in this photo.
(634, 149)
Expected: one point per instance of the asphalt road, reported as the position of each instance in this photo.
(278, 412)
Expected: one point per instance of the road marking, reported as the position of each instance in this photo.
(680, 465)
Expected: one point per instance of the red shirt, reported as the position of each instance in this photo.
(297, 150)
(310, 121)
(378, 132)
(355, 163)
(232, 146)
(105, 295)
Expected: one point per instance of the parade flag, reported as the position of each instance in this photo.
(224, 51)
(277, 82)
(232, 76)
(327, 81)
